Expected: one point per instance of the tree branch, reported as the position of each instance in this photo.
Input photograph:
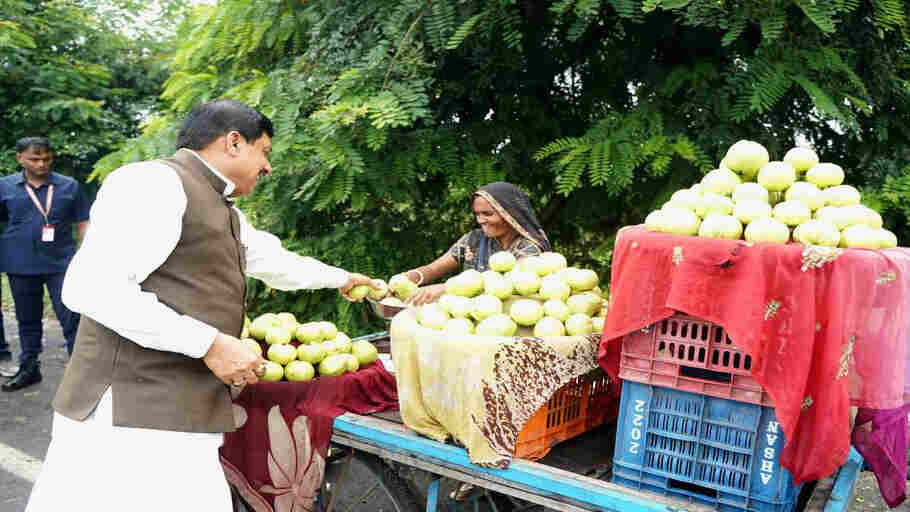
(401, 44)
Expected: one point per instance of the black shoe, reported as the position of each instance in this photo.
(28, 374)
(6, 357)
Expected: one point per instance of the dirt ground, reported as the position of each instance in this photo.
(867, 497)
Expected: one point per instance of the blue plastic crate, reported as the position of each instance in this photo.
(711, 450)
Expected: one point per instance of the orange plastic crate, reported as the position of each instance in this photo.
(579, 406)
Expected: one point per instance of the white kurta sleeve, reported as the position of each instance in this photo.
(279, 268)
(135, 224)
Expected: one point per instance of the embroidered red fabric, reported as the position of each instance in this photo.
(824, 327)
(275, 457)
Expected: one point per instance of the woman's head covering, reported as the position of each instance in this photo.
(514, 206)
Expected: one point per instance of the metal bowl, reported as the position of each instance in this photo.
(385, 311)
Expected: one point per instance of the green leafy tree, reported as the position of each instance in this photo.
(81, 72)
(390, 113)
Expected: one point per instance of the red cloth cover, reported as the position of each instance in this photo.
(823, 327)
(275, 459)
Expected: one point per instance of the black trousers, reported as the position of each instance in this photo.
(4, 345)
(28, 295)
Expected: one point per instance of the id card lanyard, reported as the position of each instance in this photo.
(47, 230)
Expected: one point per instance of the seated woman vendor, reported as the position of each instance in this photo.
(506, 222)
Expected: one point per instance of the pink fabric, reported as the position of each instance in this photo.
(823, 328)
(881, 438)
(275, 458)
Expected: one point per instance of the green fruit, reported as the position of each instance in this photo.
(549, 326)
(329, 347)
(351, 364)
(582, 279)
(553, 262)
(720, 181)
(245, 332)
(299, 371)
(277, 335)
(328, 330)
(359, 292)
(466, 284)
(364, 351)
(525, 282)
(746, 157)
(554, 287)
(311, 353)
(342, 343)
(825, 175)
(402, 286)
(556, 309)
(332, 366)
(273, 372)
(526, 312)
(482, 307)
(502, 261)
(309, 333)
(499, 324)
(287, 320)
(802, 159)
(579, 323)
(261, 323)
(281, 353)
(597, 324)
(587, 303)
(381, 292)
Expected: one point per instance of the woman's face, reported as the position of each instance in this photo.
(492, 224)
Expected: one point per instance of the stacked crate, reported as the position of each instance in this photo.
(694, 424)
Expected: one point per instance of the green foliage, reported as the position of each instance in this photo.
(81, 72)
(891, 14)
(463, 31)
(822, 14)
(13, 38)
(619, 149)
(390, 113)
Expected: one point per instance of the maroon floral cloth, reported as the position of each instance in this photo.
(276, 457)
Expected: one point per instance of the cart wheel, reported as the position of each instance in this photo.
(366, 482)
(391, 482)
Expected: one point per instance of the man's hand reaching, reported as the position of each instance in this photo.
(355, 279)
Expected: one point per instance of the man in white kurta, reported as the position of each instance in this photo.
(135, 224)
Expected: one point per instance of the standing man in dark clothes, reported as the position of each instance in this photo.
(6, 357)
(40, 208)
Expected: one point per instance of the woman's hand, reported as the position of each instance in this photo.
(427, 294)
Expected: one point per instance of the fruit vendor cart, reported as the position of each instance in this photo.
(544, 483)
(573, 476)
(741, 366)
